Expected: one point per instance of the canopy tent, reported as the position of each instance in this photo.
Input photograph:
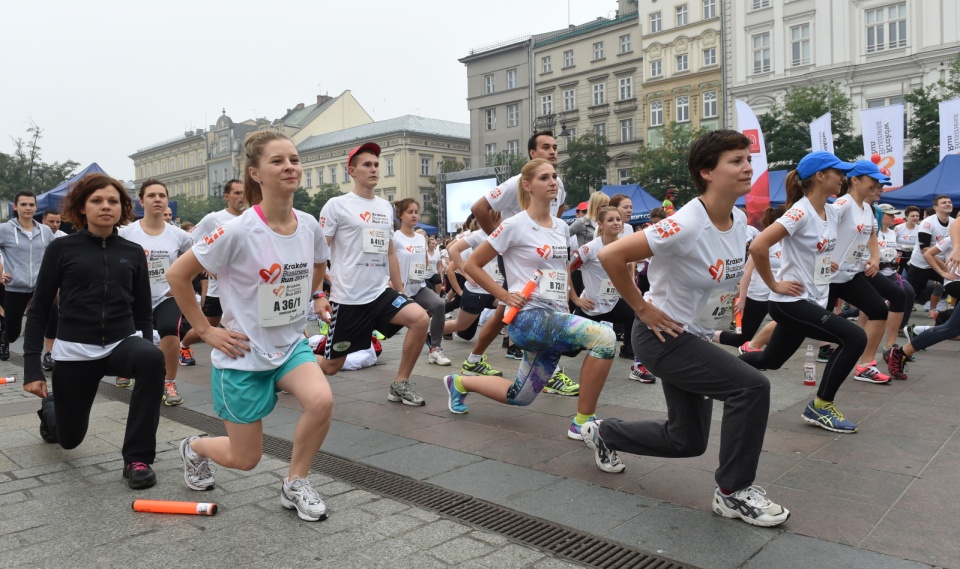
(778, 189)
(431, 230)
(51, 199)
(942, 179)
(642, 202)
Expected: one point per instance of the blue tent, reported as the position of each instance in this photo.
(51, 199)
(778, 188)
(943, 179)
(431, 230)
(642, 202)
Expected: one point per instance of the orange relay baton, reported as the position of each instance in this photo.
(5, 380)
(526, 292)
(171, 507)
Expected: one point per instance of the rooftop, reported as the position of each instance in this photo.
(407, 123)
(559, 35)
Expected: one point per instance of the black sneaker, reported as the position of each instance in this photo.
(48, 362)
(45, 432)
(626, 351)
(824, 353)
(505, 343)
(139, 475)
(514, 353)
(4, 351)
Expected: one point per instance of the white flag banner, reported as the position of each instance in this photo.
(883, 135)
(821, 134)
(758, 200)
(949, 127)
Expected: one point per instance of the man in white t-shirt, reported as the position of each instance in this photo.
(366, 283)
(210, 295)
(933, 229)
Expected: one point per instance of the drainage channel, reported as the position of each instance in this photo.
(560, 541)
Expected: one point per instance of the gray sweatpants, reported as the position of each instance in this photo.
(693, 373)
(434, 305)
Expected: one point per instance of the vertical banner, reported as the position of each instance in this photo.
(949, 127)
(758, 200)
(821, 134)
(883, 135)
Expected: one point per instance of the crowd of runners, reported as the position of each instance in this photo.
(128, 298)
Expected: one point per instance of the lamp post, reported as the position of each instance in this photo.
(544, 122)
(216, 189)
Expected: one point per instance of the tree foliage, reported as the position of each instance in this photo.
(585, 169)
(786, 127)
(663, 167)
(924, 124)
(322, 196)
(26, 170)
(430, 208)
(514, 161)
(193, 208)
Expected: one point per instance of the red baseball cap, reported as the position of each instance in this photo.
(583, 206)
(365, 147)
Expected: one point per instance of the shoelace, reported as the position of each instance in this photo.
(301, 486)
(758, 495)
(138, 466)
(170, 387)
(204, 468)
(833, 411)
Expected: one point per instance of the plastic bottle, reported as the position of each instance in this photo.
(526, 292)
(809, 366)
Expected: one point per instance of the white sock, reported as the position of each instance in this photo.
(918, 329)
(474, 358)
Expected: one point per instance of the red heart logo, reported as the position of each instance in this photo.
(860, 228)
(270, 276)
(544, 251)
(365, 216)
(552, 275)
(279, 290)
(716, 271)
(822, 245)
(410, 248)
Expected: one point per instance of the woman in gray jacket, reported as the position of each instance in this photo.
(22, 244)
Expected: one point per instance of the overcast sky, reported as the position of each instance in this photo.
(104, 78)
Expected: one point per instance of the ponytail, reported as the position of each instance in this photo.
(794, 188)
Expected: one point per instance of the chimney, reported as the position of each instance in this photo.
(321, 99)
(299, 107)
(199, 131)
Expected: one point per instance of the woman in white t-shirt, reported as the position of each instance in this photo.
(434, 264)
(807, 233)
(411, 249)
(531, 242)
(625, 206)
(269, 263)
(700, 252)
(887, 242)
(907, 236)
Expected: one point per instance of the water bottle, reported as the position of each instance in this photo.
(809, 366)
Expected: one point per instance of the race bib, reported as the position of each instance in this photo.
(375, 241)
(554, 286)
(608, 293)
(821, 269)
(280, 304)
(157, 270)
(856, 254)
(418, 272)
(888, 255)
(717, 308)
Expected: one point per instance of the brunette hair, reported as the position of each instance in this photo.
(617, 199)
(532, 141)
(526, 175)
(658, 212)
(253, 150)
(705, 152)
(49, 212)
(76, 200)
(771, 214)
(229, 184)
(936, 200)
(29, 194)
(152, 182)
(909, 208)
(401, 206)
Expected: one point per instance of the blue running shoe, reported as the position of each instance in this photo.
(574, 431)
(829, 418)
(455, 399)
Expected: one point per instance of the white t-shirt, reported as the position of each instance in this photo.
(946, 247)
(432, 260)
(473, 240)
(412, 258)
(887, 240)
(757, 289)
(938, 232)
(266, 280)
(696, 267)
(854, 226)
(362, 232)
(59, 234)
(208, 225)
(627, 230)
(597, 287)
(806, 252)
(162, 250)
(504, 199)
(906, 237)
(527, 247)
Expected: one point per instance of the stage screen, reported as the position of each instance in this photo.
(461, 195)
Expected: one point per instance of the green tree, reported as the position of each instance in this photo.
(663, 167)
(430, 207)
(322, 196)
(302, 200)
(924, 124)
(585, 168)
(514, 162)
(193, 208)
(26, 170)
(786, 127)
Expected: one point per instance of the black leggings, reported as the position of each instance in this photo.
(799, 320)
(754, 311)
(166, 318)
(75, 386)
(859, 292)
(920, 277)
(14, 306)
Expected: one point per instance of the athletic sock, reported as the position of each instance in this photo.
(820, 403)
(724, 492)
(919, 329)
(581, 419)
(458, 383)
(182, 347)
(474, 358)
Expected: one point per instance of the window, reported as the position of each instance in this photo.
(761, 53)
(757, 4)
(513, 147)
(656, 22)
(568, 58)
(546, 105)
(490, 118)
(346, 173)
(320, 174)
(710, 56)
(598, 50)
(598, 93)
(223, 144)
(171, 165)
(333, 175)
(709, 9)
(179, 162)
(656, 113)
(887, 27)
(683, 109)
(545, 65)
(625, 44)
(683, 63)
(600, 130)
(626, 88)
(389, 166)
(626, 130)
(569, 100)
(199, 157)
(624, 177)
(424, 166)
(490, 148)
(800, 45)
(681, 15)
(488, 83)
(656, 68)
(190, 161)
(308, 179)
(164, 167)
(513, 114)
(709, 104)
(511, 78)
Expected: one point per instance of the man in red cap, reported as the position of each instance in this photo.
(582, 209)
(668, 202)
(366, 284)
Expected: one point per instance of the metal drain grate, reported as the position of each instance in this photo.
(560, 541)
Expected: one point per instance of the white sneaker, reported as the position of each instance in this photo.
(437, 357)
(197, 471)
(750, 505)
(606, 458)
(300, 496)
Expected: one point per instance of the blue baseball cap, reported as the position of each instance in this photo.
(868, 168)
(820, 161)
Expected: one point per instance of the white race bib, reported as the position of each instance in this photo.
(157, 270)
(418, 272)
(284, 303)
(856, 254)
(607, 292)
(554, 286)
(821, 269)
(375, 241)
(717, 308)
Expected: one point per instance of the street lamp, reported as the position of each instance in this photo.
(545, 122)
(217, 187)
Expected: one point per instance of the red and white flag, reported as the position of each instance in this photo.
(758, 200)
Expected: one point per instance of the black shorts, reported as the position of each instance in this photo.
(166, 318)
(352, 324)
(211, 307)
(473, 303)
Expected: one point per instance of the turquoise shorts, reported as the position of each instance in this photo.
(242, 396)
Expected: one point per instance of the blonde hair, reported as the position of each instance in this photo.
(600, 214)
(597, 200)
(253, 150)
(526, 175)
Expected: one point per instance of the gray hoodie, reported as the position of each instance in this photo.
(22, 252)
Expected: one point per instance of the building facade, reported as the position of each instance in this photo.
(180, 163)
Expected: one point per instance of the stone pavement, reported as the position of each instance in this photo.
(878, 498)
